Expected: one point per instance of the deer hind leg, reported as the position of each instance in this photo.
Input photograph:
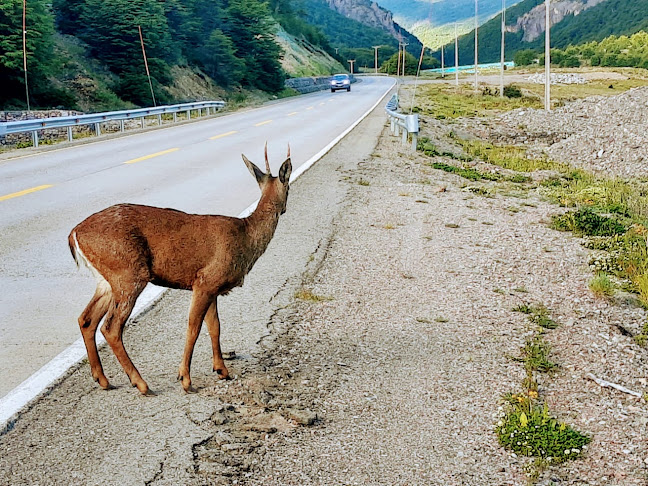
(120, 308)
(200, 302)
(213, 325)
(88, 323)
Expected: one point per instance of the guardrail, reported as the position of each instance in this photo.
(408, 124)
(96, 119)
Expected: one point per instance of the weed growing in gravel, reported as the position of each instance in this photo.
(526, 426)
(601, 285)
(309, 296)
(528, 429)
(538, 314)
(642, 338)
(509, 157)
(363, 182)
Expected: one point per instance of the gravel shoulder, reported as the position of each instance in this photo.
(383, 317)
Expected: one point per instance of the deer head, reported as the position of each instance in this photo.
(274, 190)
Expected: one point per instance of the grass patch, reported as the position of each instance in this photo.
(601, 285)
(363, 182)
(586, 222)
(509, 157)
(448, 102)
(467, 173)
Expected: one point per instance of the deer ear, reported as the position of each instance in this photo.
(254, 170)
(285, 171)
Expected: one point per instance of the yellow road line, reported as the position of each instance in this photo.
(263, 123)
(26, 191)
(146, 157)
(291, 114)
(223, 135)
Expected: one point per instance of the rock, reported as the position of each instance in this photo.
(302, 417)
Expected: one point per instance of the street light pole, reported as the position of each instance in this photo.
(404, 52)
(376, 57)
(548, 56)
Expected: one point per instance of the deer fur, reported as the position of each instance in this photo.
(127, 246)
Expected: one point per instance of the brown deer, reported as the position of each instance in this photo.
(127, 245)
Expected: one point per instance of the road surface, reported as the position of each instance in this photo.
(194, 167)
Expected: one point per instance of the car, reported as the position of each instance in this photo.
(340, 81)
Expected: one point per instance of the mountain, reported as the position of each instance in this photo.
(432, 21)
(370, 14)
(573, 22)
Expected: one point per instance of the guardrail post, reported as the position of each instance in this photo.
(69, 134)
(175, 117)
(404, 140)
(160, 120)
(188, 114)
(121, 125)
(414, 141)
(35, 138)
(97, 128)
(141, 122)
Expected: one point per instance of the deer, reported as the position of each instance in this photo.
(126, 246)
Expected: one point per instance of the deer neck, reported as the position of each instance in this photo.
(262, 223)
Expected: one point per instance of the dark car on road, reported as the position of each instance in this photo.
(340, 81)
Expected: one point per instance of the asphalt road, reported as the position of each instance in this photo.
(194, 167)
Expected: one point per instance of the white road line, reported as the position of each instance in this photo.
(45, 379)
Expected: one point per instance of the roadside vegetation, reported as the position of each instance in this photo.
(527, 426)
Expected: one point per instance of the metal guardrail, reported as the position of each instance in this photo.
(96, 119)
(408, 124)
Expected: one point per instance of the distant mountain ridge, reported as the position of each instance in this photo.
(573, 22)
(369, 13)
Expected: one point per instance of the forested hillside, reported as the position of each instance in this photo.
(620, 17)
(94, 46)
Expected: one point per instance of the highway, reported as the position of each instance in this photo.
(195, 167)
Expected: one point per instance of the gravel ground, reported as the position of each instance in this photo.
(388, 367)
(604, 134)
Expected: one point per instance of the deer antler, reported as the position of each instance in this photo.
(266, 159)
(288, 156)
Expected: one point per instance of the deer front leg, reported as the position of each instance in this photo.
(213, 325)
(200, 302)
(88, 322)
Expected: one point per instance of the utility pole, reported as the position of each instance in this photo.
(442, 63)
(456, 56)
(351, 61)
(476, 42)
(24, 37)
(548, 57)
(148, 74)
(502, 59)
(376, 57)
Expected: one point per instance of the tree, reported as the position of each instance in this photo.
(525, 57)
(40, 27)
(391, 65)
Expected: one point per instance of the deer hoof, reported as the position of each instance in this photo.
(222, 373)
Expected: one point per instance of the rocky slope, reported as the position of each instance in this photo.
(371, 14)
(532, 24)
